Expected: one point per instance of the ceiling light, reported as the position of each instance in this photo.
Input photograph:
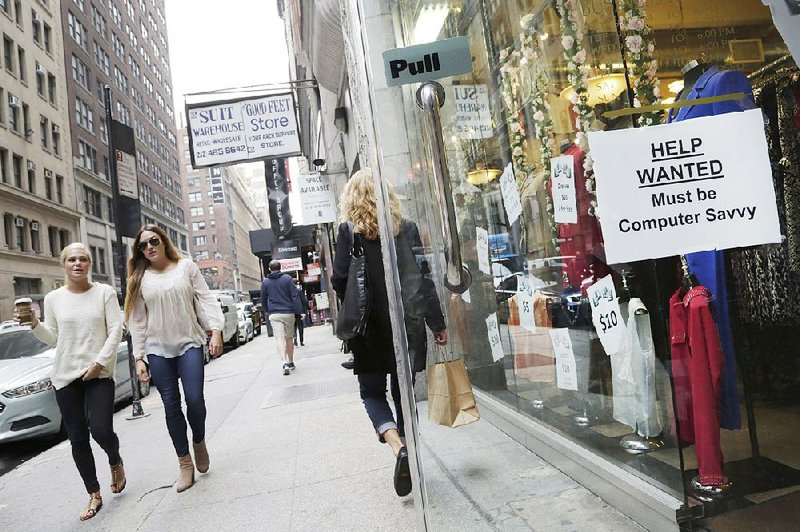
(429, 23)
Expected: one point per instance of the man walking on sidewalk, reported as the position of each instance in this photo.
(281, 302)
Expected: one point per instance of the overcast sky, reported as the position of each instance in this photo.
(233, 43)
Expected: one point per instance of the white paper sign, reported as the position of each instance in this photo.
(242, 130)
(317, 200)
(473, 118)
(494, 337)
(566, 368)
(696, 185)
(482, 246)
(606, 316)
(290, 265)
(465, 296)
(510, 192)
(126, 175)
(321, 301)
(562, 178)
(525, 304)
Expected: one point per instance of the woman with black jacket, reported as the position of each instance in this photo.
(373, 353)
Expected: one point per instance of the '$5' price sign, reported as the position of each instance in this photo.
(525, 304)
(606, 315)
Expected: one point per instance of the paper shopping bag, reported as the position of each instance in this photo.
(450, 399)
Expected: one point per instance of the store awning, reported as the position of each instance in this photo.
(328, 45)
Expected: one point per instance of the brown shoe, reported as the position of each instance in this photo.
(201, 459)
(185, 473)
(118, 480)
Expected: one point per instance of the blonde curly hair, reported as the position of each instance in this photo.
(358, 204)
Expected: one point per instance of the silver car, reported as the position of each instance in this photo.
(27, 399)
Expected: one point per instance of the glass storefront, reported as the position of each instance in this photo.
(545, 75)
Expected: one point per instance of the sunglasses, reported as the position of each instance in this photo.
(155, 242)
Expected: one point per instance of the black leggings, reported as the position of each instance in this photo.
(89, 406)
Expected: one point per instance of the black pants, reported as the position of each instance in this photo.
(298, 329)
(89, 407)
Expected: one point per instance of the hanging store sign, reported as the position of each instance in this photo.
(425, 62)
(280, 216)
(606, 316)
(473, 118)
(248, 129)
(291, 265)
(510, 192)
(317, 200)
(562, 179)
(697, 185)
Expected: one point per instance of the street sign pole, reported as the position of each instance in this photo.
(136, 406)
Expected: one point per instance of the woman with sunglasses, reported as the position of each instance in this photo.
(169, 310)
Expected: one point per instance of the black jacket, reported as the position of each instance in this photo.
(374, 353)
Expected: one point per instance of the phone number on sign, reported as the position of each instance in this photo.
(221, 151)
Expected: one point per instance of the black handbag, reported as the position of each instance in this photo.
(354, 309)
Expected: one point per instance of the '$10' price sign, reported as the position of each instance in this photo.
(606, 315)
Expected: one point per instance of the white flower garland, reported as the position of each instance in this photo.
(511, 90)
(642, 66)
(578, 75)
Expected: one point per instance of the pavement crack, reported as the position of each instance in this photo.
(146, 493)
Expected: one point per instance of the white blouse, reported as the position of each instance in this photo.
(173, 312)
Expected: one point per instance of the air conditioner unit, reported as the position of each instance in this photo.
(13, 101)
(48, 173)
(40, 69)
(34, 226)
(31, 165)
(37, 19)
(19, 222)
(56, 129)
(43, 120)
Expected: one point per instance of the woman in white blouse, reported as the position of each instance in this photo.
(168, 309)
(82, 320)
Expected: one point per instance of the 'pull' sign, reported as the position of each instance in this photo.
(423, 62)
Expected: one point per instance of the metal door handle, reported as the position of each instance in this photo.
(430, 97)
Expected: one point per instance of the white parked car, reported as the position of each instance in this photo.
(245, 327)
(27, 399)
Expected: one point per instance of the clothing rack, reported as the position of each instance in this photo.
(770, 68)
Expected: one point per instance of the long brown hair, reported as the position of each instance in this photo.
(138, 263)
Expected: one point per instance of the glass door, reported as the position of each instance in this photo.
(493, 168)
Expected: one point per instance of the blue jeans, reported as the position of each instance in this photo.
(189, 368)
(373, 393)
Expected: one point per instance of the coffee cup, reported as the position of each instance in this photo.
(24, 310)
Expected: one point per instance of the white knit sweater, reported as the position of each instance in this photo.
(85, 328)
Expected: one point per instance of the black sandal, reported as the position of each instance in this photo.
(117, 484)
(95, 503)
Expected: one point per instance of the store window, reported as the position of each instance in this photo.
(545, 76)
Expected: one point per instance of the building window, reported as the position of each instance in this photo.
(92, 202)
(52, 241)
(8, 54)
(119, 48)
(44, 132)
(110, 202)
(88, 156)
(13, 112)
(36, 243)
(197, 211)
(48, 185)
(80, 73)
(17, 169)
(183, 242)
(84, 115)
(195, 197)
(4, 165)
(36, 27)
(31, 177)
(76, 30)
(63, 239)
(101, 58)
(23, 71)
(99, 22)
(51, 88)
(198, 226)
(100, 260)
(56, 132)
(40, 80)
(121, 80)
(48, 37)
(200, 240)
(60, 189)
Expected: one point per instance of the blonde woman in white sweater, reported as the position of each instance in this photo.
(82, 320)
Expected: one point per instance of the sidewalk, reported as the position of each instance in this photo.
(298, 453)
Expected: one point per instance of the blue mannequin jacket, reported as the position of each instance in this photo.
(709, 266)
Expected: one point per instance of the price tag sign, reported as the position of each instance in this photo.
(494, 337)
(562, 178)
(482, 245)
(525, 304)
(606, 316)
(510, 192)
(566, 368)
